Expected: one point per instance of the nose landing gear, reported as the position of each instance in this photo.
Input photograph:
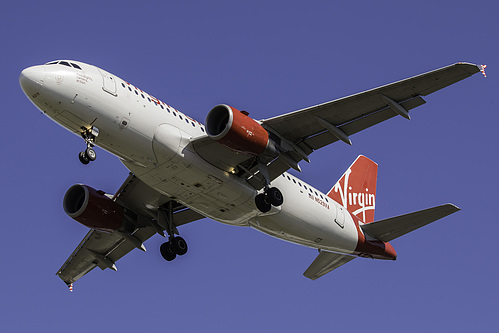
(89, 136)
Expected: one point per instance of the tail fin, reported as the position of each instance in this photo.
(356, 189)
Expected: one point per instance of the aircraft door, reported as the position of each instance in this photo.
(108, 83)
(340, 217)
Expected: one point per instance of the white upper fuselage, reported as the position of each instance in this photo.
(153, 141)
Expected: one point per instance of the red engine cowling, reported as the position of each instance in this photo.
(92, 208)
(236, 130)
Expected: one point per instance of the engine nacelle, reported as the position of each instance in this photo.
(92, 208)
(237, 130)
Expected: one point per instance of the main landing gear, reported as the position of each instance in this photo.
(176, 245)
(271, 196)
(89, 136)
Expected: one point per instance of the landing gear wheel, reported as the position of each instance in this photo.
(179, 246)
(167, 251)
(274, 196)
(91, 155)
(83, 158)
(262, 203)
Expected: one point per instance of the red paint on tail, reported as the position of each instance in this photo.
(356, 189)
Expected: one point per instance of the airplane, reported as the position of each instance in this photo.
(232, 169)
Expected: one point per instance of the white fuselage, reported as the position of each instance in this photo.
(153, 141)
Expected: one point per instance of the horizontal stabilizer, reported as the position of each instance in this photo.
(389, 229)
(325, 263)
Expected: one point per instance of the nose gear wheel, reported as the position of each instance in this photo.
(89, 135)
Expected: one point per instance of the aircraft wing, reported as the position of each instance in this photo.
(309, 129)
(325, 263)
(101, 249)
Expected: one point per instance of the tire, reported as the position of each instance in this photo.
(179, 246)
(83, 158)
(167, 252)
(91, 155)
(275, 196)
(262, 204)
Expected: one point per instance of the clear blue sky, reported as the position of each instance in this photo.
(267, 57)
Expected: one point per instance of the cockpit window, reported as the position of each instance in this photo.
(64, 63)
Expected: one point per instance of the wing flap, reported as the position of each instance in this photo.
(325, 262)
(389, 229)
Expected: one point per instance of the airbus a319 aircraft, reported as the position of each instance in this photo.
(232, 168)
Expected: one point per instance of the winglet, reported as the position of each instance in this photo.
(482, 69)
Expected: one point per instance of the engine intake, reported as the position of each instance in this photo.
(92, 208)
(236, 130)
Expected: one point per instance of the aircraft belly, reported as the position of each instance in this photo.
(194, 183)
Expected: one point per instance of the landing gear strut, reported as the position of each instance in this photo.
(176, 245)
(89, 136)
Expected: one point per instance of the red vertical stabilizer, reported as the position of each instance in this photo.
(356, 189)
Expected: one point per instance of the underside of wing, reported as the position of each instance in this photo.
(349, 113)
(299, 133)
(325, 263)
(102, 249)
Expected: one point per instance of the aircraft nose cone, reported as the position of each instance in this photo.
(32, 79)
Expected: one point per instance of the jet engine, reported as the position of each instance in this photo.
(93, 208)
(237, 131)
